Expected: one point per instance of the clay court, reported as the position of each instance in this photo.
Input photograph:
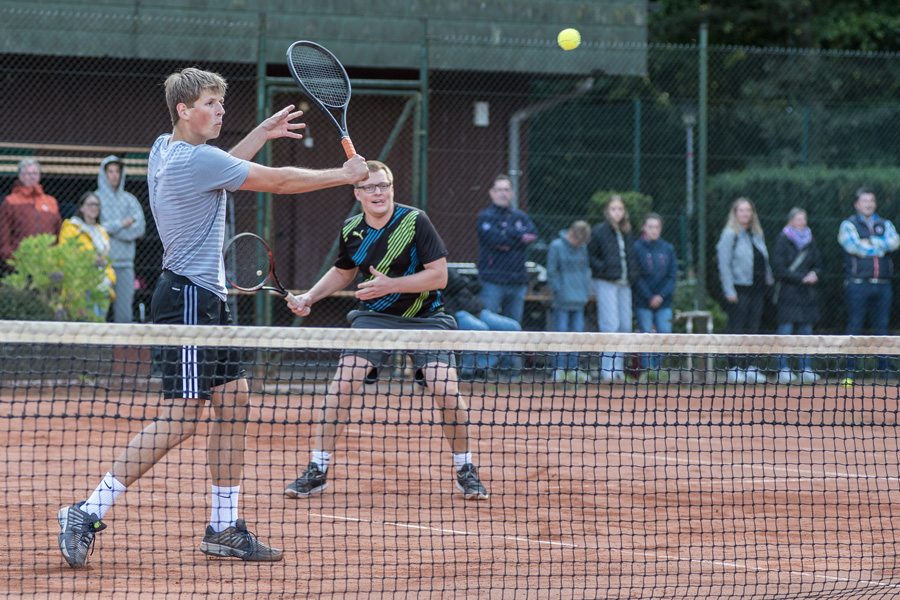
(635, 491)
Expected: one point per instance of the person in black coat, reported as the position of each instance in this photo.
(614, 268)
(797, 268)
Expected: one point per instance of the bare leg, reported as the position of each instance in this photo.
(225, 452)
(335, 408)
(442, 380)
(176, 423)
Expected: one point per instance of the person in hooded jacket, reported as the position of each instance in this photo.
(123, 219)
(569, 280)
(27, 211)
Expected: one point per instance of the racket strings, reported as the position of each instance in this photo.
(322, 75)
(247, 263)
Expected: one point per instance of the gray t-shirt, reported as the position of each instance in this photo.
(187, 197)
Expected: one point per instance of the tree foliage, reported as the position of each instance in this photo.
(868, 25)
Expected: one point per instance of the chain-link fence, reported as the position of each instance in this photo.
(785, 128)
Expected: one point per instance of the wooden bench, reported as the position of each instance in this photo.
(71, 159)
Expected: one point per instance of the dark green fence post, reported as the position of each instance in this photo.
(636, 182)
(702, 116)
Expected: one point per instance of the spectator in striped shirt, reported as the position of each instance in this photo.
(868, 241)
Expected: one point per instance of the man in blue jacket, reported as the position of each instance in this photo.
(504, 233)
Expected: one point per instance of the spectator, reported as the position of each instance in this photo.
(745, 275)
(867, 240)
(466, 306)
(503, 234)
(26, 211)
(124, 221)
(85, 227)
(569, 280)
(797, 267)
(614, 269)
(653, 291)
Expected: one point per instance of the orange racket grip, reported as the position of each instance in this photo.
(348, 147)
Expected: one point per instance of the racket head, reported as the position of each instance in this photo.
(319, 74)
(248, 262)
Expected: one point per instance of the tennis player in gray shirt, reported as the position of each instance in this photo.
(188, 180)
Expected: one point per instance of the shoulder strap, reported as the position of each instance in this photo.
(798, 260)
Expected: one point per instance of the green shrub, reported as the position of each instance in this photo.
(23, 305)
(62, 277)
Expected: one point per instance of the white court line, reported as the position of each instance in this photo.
(795, 472)
(652, 555)
(451, 531)
(358, 431)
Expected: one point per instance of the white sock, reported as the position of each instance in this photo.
(104, 496)
(321, 458)
(461, 460)
(224, 507)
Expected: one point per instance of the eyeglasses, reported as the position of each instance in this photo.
(92, 204)
(370, 189)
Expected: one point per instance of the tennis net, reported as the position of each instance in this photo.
(713, 475)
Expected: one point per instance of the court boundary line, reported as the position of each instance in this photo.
(651, 555)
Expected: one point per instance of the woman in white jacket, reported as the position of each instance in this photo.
(746, 275)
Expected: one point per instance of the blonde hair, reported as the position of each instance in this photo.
(581, 232)
(377, 165)
(623, 226)
(186, 86)
(732, 222)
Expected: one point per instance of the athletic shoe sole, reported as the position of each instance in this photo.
(471, 495)
(292, 493)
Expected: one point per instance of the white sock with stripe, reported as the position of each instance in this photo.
(104, 496)
(321, 458)
(224, 507)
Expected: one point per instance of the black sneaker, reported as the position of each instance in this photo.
(468, 483)
(311, 482)
(77, 535)
(236, 541)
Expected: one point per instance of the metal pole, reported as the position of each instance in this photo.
(423, 123)
(701, 169)
(690, 121)
(262, 302)
(636, 160)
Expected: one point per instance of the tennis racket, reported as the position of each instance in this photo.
(323, 79)
(249, 264)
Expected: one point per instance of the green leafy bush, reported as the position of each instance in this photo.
(23, 305)
(62, 277)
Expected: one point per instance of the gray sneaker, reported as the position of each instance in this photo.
(237, 542)
(468, 483)
(312, 481)
(77, 535)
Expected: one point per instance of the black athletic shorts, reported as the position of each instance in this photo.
(361, 319)
(191, 371)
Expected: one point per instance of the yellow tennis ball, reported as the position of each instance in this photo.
(568, 39)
